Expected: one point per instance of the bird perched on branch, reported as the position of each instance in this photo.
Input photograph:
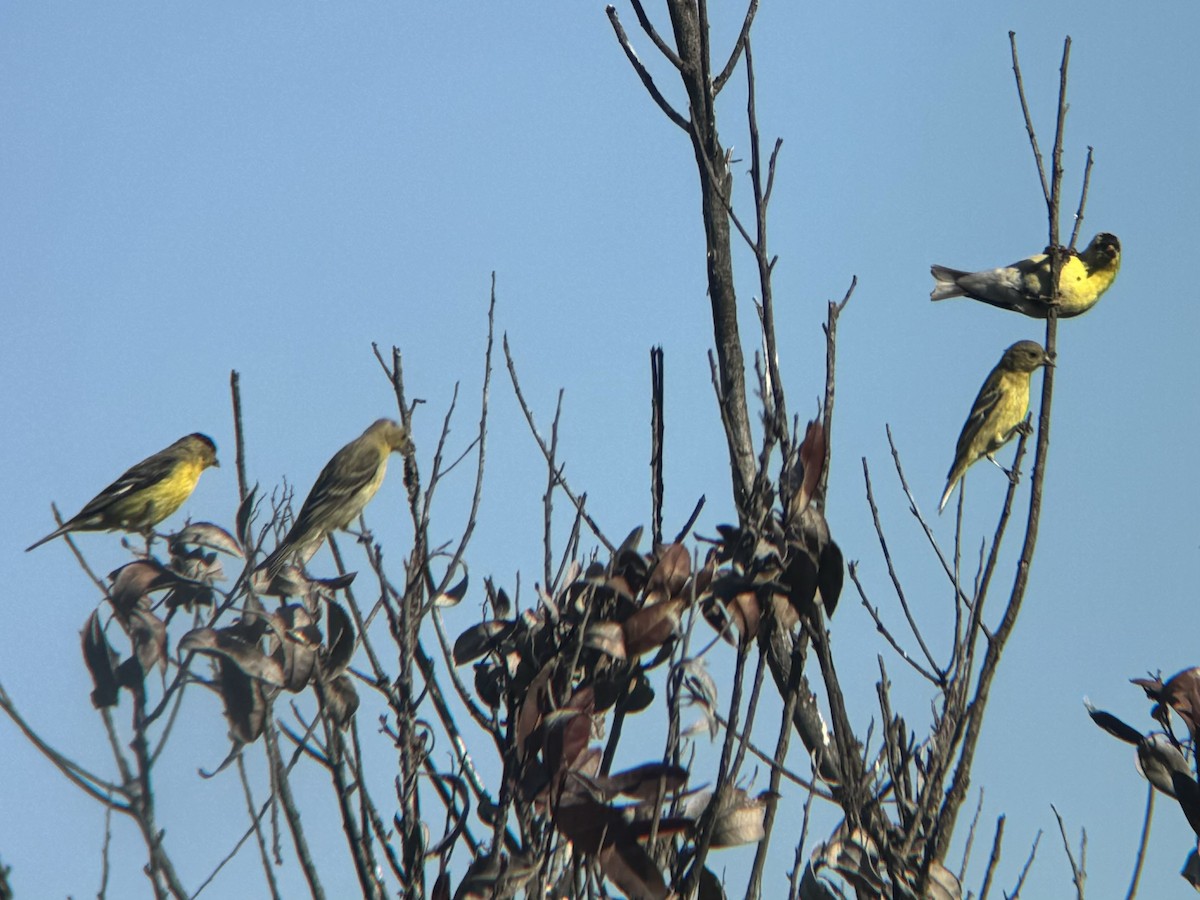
(1025, 287)
(343, 489)
(147, 493)
(1000, 407)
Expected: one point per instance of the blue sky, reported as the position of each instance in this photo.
(190, 189)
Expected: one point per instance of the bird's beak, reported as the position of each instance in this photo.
(1049, 362)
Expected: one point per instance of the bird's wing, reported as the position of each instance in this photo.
(148, 472)
(352, 469)
(985, 404)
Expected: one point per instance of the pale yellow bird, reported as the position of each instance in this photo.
(1000, 407)
(342, 490)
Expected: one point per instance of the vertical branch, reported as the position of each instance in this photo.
(239, 434)
(656, 442)
(957, 792)
(776, 400)
(1143, 842)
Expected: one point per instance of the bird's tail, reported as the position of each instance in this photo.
(954, 477)
(57, 532)
(289, 550)
(946, 285)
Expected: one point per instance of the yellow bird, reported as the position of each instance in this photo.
(1000, 407)
(147, 493)
(1025, 287)
(343, 489)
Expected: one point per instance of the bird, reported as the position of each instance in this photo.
(342, 490)
(997, 411)
(145, 494)
(1025, 287)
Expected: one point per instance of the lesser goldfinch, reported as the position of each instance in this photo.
(1000, 407)
(147, 493)
(1025, 287)
(344, 487)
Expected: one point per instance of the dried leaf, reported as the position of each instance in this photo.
(489, 683)
(1191, 870)
(1182, 694)
(651, 627)
(812, 462)
(245, 701)
(246, 657)
(670, 572)
(294, 643)
(481, 639)
(830, 577)
(733, 610)
(206, 534)
(643, 782)
(244, 512)
(628, 866)
(340, 643)
(101, 661)
(639, 694)
(452, 596)
(630, 544)
(607, 637)
(341, 700)
(710, 887)
(148, 635)
(133, 583)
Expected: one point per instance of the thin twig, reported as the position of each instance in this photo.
(993, 859)
(1143, 843)
(561, 481)
(1078, 869)
(642, 72)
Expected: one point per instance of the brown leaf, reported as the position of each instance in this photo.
(452, 596)
(607, 637)
(830, 576)
(148, 635)
(642, 782)
(651, 627)
(628, 866)
(710, 887)
(481, 639)
(567, 734)
(733, 610)
(639, 694)
(246, 657)
(670, 573)
(133, 583)
(245, 701)
(101, 661)
(531, 711)
(340, 643)
(206, 534)
(244, 512)
(341, 700)
(1182, 694)
(812, 462)
(294, 642)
